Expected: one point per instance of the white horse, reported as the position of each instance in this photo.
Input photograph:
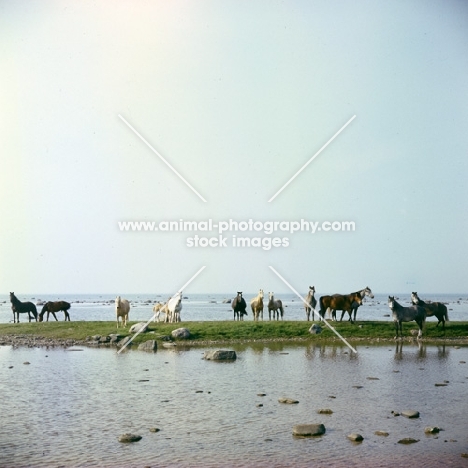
(257, 305)
(158, 309)
(174, 306)
(122, 308)
(311, 302)
(276, 306)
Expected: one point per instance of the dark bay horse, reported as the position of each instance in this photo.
(19, 307)
(436, 309)
(239, 305)
(345, 303)
(310, 303)
(52, 307)
(406, 314)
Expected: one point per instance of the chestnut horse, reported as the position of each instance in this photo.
(257, 305)
(345, 303)
(310, 304)
(239, 305)
(52, 307)
(19, 307)
(436, 309)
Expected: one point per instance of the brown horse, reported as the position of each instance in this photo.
(19, 307)
(257, 305)
(436, 309)
(52, 307)
(345, 303)
(238, 306)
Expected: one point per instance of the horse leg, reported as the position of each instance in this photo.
(55, 317)
(342, 314)
(67, 316)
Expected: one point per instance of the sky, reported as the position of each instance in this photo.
(236, 96)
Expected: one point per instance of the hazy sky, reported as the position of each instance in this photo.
(237, 96)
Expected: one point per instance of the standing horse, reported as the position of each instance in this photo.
(345, 303)
(436, 309)
(276, 306)
(310, 303)
(122, 308)
(52, 307)
(406, 314)
(19, 307)
(257, 305)
(174, 306)
(239, 305)
(158, 309)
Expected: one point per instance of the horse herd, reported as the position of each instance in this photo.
(170, 310)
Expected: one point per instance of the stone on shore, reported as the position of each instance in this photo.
(138, 327)
(220, 355)
(308, 430)
(315, 329)
(125, 341)
(150, 345)
(182, 333)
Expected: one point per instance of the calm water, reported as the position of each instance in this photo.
(68, 407)
(210, 307)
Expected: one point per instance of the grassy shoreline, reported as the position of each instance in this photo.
(218, 332)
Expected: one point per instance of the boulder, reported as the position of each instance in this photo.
(308, 430)
(324, 411)
(114, 338)
(355, 437)
(410, 414)
(220, 355)
(182, 333)
(432, 430)
(138, 327)
(408, 440)
(150, 345)
(125, 341)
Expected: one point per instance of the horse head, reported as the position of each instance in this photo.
(415, 298)
(260, 294)
(391, 302)
(312, 289)
(367, 292)
(271, 296)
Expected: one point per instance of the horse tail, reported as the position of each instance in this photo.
(323, 309)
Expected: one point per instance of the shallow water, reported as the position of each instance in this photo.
(68, 407)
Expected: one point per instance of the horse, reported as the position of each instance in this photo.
(345, 303)
(276, 306)
(257, 305)
(406, 314)
(122, 308)
(19, 307)
(160, 308)
(239, 305)
(52, 307)
(436, 309)
(310, 304)
(174, 306)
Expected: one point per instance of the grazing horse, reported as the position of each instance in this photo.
(406, 314)
(239, 305)
(52, 307)
(257, 305)
(122, 308)
(174, 306)
(19, 307)
(345, 303)
(276, 306)
(310, 304)
(436, 309)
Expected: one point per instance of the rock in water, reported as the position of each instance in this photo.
(288, 401)
(408, 440)
(150, 345)
(220, 355)
(308, 430)
(355, 437)
(410, 414)
(127, 438)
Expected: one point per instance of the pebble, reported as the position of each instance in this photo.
(154, 429)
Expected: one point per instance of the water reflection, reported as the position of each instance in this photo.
(417, 351)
